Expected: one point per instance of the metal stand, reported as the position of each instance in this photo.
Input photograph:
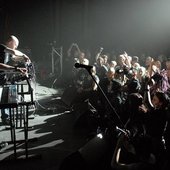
(13, 109)
(23, 114)
(99, 87)
(59, 53)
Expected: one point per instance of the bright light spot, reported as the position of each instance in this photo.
(100, 136)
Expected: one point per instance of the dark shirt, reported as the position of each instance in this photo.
(101, 71)
(155, 127)
(2, 60)
(5, 58)
(156, 123)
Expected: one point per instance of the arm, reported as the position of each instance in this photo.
(77, 47)
(147, 97)
(150, 68)
(127, 60)
(116, 157)
(69, 50)
(8, 68)
(98, 54)
(115, 162)
(18, 55)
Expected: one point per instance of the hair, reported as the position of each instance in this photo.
(143, 70)
(104, 56)
(133, 86)
(116, 86)
(111, 69)
(13, 38)
(136, 99)
(163, 97)
(135, 58)
(113, 63)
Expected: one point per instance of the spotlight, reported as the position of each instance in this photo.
(100, 135)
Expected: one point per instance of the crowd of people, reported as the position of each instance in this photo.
(131, 93)
(135, 95)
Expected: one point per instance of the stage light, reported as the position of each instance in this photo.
(100, 135)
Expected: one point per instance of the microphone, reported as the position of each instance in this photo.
(78, 65)
(127, 133)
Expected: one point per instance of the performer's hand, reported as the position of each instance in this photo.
(26, 58)
(22, 70)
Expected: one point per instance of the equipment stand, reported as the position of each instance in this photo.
(16, 114)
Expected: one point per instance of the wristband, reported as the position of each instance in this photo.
(16, 68)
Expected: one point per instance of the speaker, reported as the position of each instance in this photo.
(69, 96)
(85, 116)
(73, 161)
(95, 154)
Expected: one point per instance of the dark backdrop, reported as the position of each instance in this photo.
(136, 26)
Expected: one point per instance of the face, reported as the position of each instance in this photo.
(121, 59)
(82, 55)
(113, 64)
(148, 61)
(12, 44)
(100, 61)
(168, 65)
(136, 65)
(156, 102)
(141, 72)
(158, 64)
(105, 58)
(110, 74)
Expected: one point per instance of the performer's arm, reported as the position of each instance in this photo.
(17, 55)
(5, 67)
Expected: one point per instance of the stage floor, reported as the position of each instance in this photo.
(52, 123)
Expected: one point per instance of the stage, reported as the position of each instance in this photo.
(52, 126)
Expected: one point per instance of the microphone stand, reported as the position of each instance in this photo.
(103, 93)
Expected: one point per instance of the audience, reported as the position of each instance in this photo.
(139, 93)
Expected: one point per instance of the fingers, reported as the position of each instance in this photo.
(22, 70)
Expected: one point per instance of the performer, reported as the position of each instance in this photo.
(9, 52)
